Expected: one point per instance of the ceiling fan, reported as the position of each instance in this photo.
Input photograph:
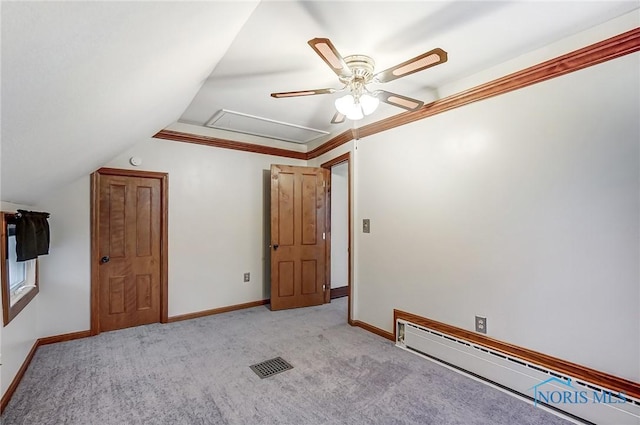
(356, 71)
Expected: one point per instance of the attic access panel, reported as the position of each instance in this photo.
(264, 127)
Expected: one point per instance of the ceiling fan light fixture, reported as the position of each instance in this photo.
(356, 114)
(369, 103)
(354, 109)
(348, 107)
(345, 104)
(356, 72)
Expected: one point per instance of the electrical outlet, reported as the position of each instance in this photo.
(481, 324)
(366, 226)
(247, 277)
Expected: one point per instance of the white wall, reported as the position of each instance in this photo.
(523, 208)
(216, 221)
(18, 337)
(21, 333)
(216, 233)
(65, 273)
(340, 225)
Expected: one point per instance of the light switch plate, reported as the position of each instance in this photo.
(366, 226)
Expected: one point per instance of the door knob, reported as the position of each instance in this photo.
(105, 259)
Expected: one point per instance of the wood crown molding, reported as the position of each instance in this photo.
(611, 48)
(339, 140)
(574, 370)
(215, 142)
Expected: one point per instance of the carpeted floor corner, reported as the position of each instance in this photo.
(197, 372)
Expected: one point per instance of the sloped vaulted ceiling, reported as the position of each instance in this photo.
(82, 81)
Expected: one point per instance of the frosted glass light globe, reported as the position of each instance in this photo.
(369, 103)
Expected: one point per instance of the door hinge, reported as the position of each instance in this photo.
(324, 183)
(323, 236)
(324, 287)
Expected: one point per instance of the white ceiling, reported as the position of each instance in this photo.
(83, 81)
(271, 54)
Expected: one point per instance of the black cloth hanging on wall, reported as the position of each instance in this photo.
(32, 234)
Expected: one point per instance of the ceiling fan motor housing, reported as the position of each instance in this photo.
(361, 67)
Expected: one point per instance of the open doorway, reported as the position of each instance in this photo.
(340, 225)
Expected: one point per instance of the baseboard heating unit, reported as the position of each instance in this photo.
(580, 401)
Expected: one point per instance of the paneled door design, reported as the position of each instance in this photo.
(298, 236)
(129, 245)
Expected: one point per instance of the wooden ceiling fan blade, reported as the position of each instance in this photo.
(338, 118)
(302, 93)
(326, 50)
(404, 102)
(419, 63)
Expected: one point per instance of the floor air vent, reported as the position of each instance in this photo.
(271, 367)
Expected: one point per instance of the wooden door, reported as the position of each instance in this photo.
(298, 236)
(129, 251)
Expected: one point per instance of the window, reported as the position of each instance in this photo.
(19, 279)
